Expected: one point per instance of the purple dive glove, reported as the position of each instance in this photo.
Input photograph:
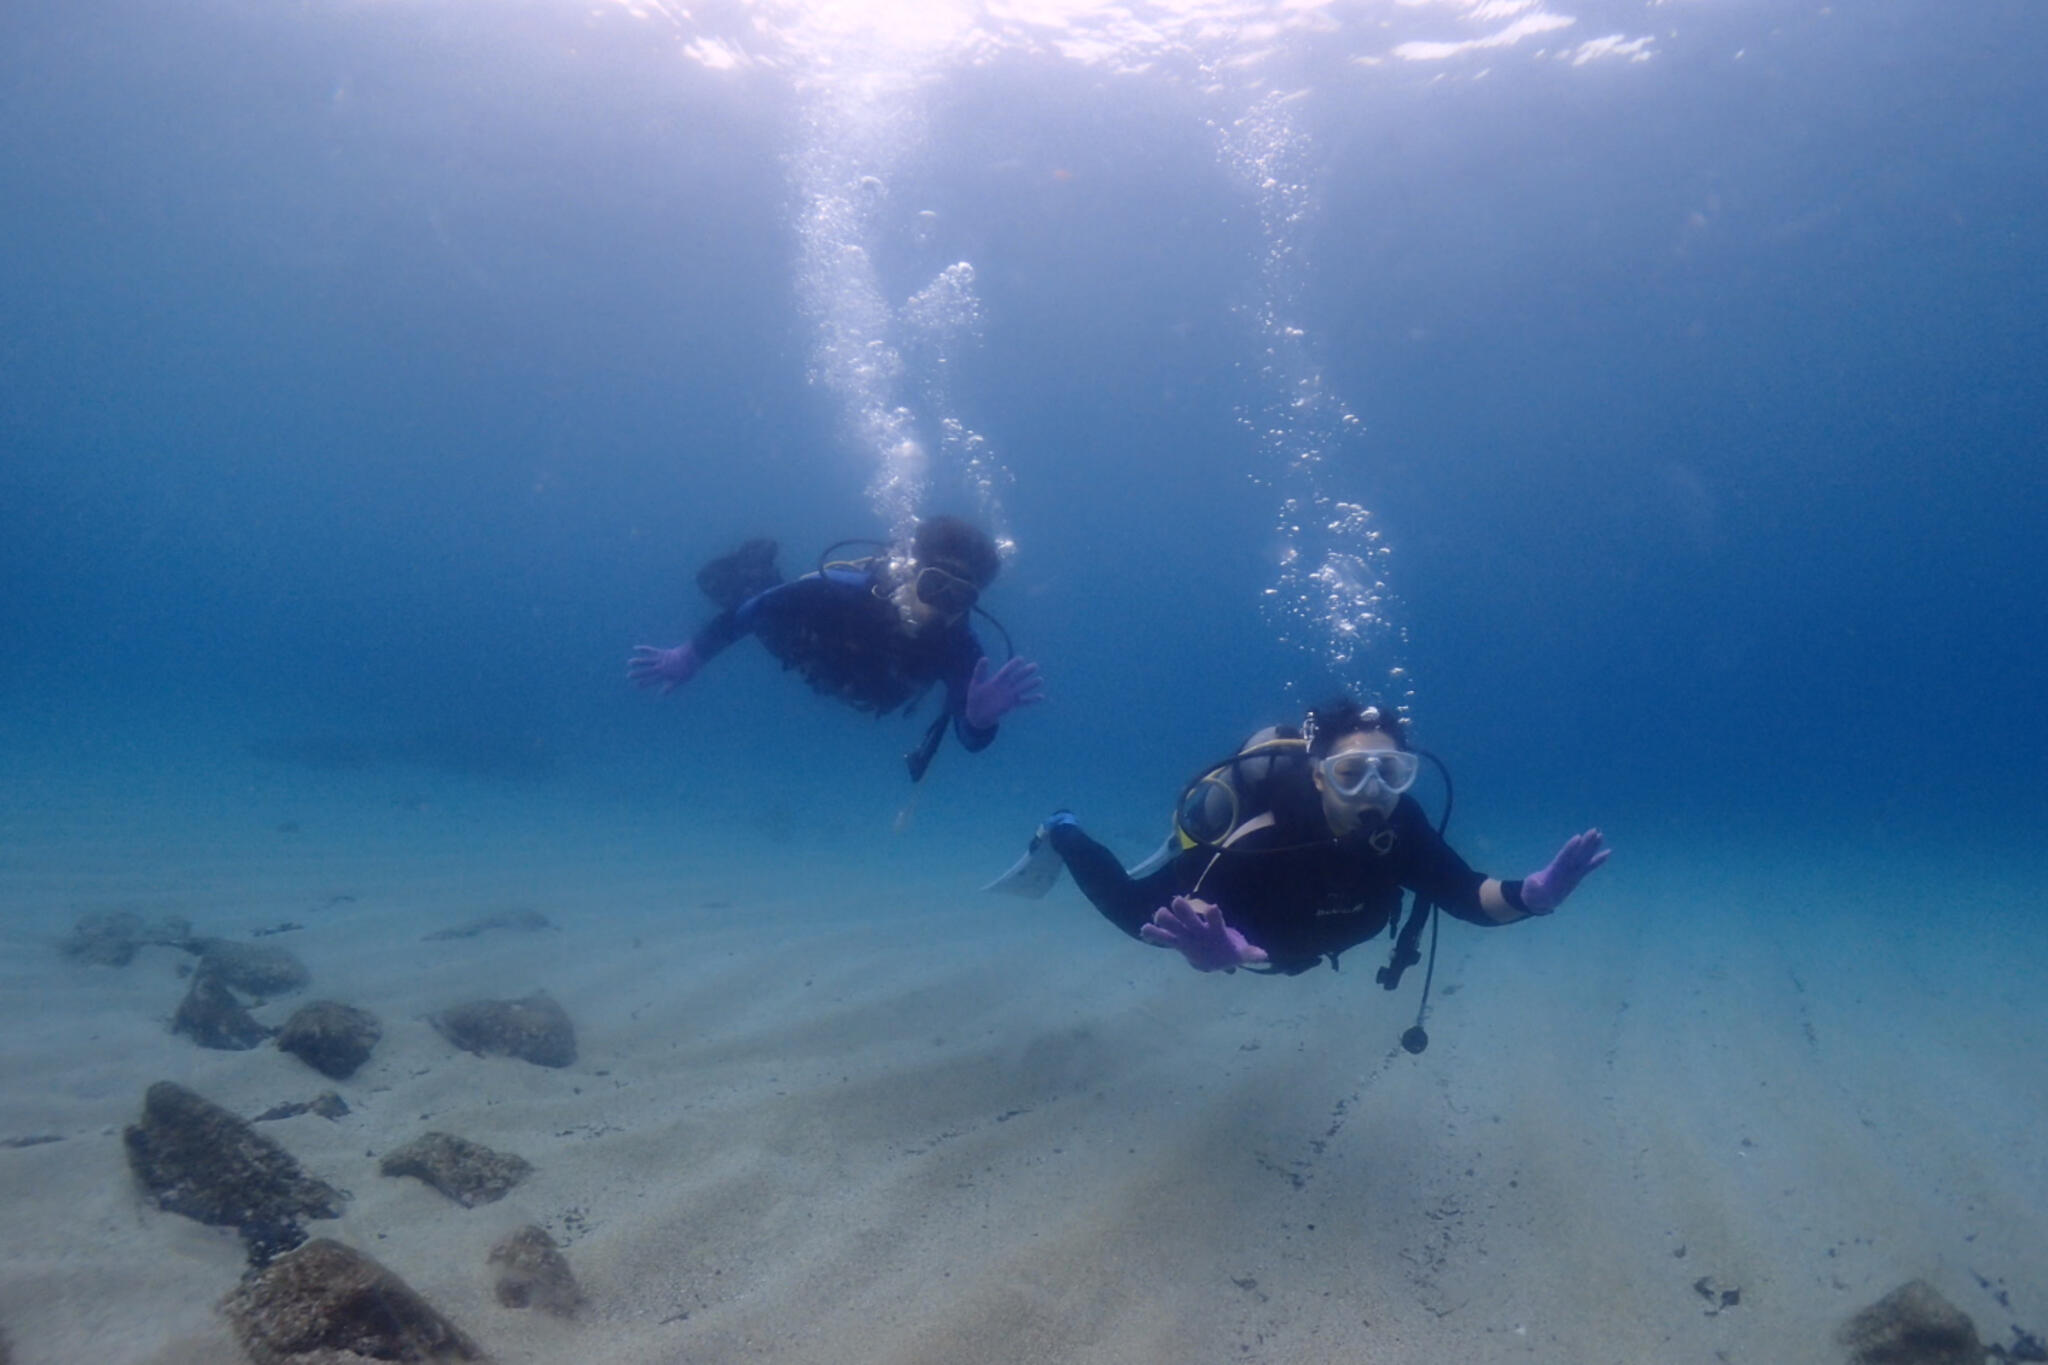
(667, 669)
(1544, 891)
(1197, 929)
(990, 697)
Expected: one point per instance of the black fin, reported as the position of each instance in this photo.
(731, 579)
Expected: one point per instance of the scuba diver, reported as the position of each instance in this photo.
(1307, 838)
(876, 633)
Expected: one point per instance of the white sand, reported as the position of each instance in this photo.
(860, 1113)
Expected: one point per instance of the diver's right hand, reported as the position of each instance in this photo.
(991, 696)
(1196, 928)
(667, 669)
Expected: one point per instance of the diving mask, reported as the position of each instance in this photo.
(944, 591)
(1351, 772)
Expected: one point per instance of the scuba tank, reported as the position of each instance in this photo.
(1212, 812)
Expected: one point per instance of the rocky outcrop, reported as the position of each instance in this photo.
(197, 1159)
(467, 1172)
(252, 968)
(212, 1016)
(332, 1038)
(533, 1273)
(326, 1104)
(328, 1304)
(1912, 1325)
(110, 938)
(534, 1029)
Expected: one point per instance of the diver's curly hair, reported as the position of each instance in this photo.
(1341, 715)
(958, 544)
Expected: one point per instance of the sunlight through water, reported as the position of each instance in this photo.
(863, 70)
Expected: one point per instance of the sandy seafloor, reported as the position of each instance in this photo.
(836, 1106)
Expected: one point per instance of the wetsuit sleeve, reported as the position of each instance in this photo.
(728, 626)
(967, 653)
(1435, 870)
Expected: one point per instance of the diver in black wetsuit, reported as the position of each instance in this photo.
(1307, 840)
(877, 633)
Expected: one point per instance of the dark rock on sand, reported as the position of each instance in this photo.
(326, 1104)
(534, 1274)
(253, 968)
(467, 1172)
(528, 920)
(332, 1038)
(1912, 1325)
(195, 1158)
(2025, 1346)
(534, 1029)
(327, 1304)
(110, 938)
(211, 1016)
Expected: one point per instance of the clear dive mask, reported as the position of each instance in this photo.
(945, 592)
(1351, 772)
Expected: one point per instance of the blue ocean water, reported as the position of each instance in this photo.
(1661, 382)
(382, 374)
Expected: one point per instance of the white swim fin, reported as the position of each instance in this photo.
(1034, 874)
(1168, 850)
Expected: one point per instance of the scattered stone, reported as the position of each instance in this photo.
(332, 1038)
(33, 1140)
(254, 968)
(467, 1172)
(327, 1304)
(1912, 1325)
(535, 1274)
(281, 927)
(1717, 1296)
(197, 1159)
(326, 1104)
(110, 938)
(1996, 1289)
(505, 919)
(534, 1029)
(2025, 1346)
(211, 1016)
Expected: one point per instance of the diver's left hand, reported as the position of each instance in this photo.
(667, 669)
(1196, 928)
(990, 697)
(1544, 891)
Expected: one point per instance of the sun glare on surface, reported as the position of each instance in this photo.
(820, 38)
(862, 73)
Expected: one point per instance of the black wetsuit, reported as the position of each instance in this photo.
(841, 631)
(1290, 887)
